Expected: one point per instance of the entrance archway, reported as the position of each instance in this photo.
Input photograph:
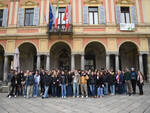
(28, 56)
(128, 52)
(1, 62)
(95, 56)
(60, 55)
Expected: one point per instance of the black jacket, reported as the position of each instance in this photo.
(55, 81)
(99, 81)
(111, 79)
(47, 80)
(92, 79)
(63, 79)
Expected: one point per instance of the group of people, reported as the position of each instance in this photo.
(78, 83)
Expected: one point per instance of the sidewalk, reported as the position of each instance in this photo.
(107, 104)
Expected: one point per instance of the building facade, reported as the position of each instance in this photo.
(102, 33)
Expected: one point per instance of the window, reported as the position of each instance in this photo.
(1, 17)
(93, 15)
(61, 13)
(125, 15)
(29, 13)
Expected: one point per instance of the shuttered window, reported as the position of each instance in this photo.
(125, 15)
(29, 14)
(1, 17)
(93, 15)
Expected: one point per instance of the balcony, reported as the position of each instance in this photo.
(61, 30)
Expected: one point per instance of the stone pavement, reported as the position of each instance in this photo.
(107, 104)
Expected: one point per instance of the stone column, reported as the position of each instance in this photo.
(48, 62)
(148, 65)
(117, 62)
(5, 68)
(72, 62)
(38, 62)
(141, 62)
(107, 61)
(82, 62)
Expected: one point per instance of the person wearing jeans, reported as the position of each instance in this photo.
(47, 82)
(69, 87)
(36, 84)
(92, 81)
(100, 85)
(55, 82)
(63, 82)
(76, 82)
(111, 82)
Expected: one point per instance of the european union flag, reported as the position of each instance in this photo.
(50, 17)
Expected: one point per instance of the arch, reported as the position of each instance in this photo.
(60, 55)
(94, 41)
(126, 41)
(30, 42)
(60, 41)
(128, 55)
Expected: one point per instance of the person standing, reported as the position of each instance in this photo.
(99, 84)
(140, 82)
(119, 79)
(127, 75)
(42, 74)
(69, 87)
(36, 84)
(55, 83)
(25, 82)
(111, 82)
(92, 82)
(76, 83)
(133, 80)
(9, 77)
(30, 82)
(105, 78)
(83, 82)
(47, 82)
(63, 83)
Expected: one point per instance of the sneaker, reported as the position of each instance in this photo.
(77, 96)
(86, 96)
(9, 96)
(82, 96)
(64, 96)
(15, 96)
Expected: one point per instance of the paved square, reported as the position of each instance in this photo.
(108, 104)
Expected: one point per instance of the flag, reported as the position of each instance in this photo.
(56, 16)
(66, 18)
(50, 17)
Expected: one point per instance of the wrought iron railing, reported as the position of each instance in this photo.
(61, 28)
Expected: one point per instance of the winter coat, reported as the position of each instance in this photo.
(99, 81)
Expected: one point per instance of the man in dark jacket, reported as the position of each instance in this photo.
(133, 80)
(63, 83)
(127, 75)
(47, 81)
(30, 82)
(92, 82)
(111, 81)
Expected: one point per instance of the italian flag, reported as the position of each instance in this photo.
(66, 19)
(56, 16)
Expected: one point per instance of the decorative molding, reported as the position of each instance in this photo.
(2, 5)
(61, 2)
(126, 2)
(30, 3)
(93, 1)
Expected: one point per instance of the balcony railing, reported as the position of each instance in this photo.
(61, 30)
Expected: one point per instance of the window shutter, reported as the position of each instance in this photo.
(85, 14)
(102, 14)
(69, 15)
(5, 17)
(20, 17)
(53, 10)
(36, 16)
(133, 14)
(117, 14)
